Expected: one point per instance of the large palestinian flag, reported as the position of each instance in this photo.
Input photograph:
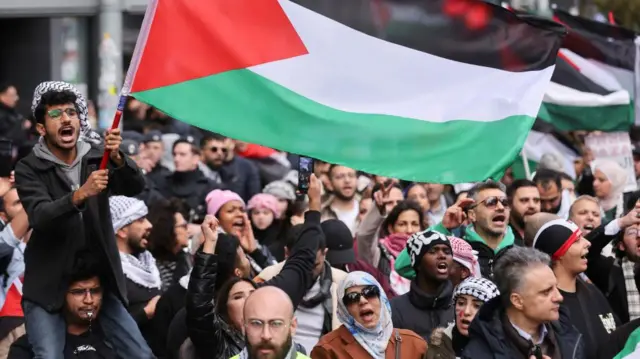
(606, 54)
(450, 101)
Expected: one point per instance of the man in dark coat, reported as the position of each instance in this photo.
(66, 197)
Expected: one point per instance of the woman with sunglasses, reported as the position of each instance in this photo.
(367, 330)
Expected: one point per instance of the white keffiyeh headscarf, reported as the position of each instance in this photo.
(86, 133)
(375, 340)
(141, 269)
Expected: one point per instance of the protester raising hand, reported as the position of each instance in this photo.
(314, 193)
(455, 215)
(247, 239)
(633, 217)
(381, 197)
(210, 234)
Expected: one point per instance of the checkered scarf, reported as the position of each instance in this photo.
(480, 288)
(86, 133)
(633, 297)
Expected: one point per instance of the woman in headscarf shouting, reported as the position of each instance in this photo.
(367, 330)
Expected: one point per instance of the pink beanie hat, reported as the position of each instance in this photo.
(218, 198)
(464, 255)
(265, 200)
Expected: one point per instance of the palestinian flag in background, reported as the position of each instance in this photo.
(450, 102)
(604, 53)
(631, 348)
(583, 96)
(539, 144)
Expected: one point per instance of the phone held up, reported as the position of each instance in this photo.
(305, 169)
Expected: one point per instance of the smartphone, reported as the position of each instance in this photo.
(6, 157)
(305, 169)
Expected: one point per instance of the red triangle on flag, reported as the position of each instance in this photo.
(197, 38)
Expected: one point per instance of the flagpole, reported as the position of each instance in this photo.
(525, 163)
(133, 67)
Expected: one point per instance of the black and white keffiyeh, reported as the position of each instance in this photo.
(141, 269)
(479, 288)
(419, 243)
(86, 133)
(126, 210)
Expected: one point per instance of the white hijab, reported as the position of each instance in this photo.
(618, 178)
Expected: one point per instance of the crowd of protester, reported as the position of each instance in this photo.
(193, 245)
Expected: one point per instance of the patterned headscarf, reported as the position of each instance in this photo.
(375, 340)
(83, 112)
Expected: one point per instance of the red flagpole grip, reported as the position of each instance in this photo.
(114, 125)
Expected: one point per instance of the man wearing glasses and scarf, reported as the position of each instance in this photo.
(66, 197)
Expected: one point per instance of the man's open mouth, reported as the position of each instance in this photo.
(66, 133)
(442, 268)
(499, 219)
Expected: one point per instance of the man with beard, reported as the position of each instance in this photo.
(222, 166)
(130, 224)
(428, 304)
(83, 306)
(553, 199)
(487, 209)
(269, 329)
(524, 199)
(342, 205)
(65, 195)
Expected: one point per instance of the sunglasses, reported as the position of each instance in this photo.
(368, 292)
(492, 202)
(57, 113)
(216, 149)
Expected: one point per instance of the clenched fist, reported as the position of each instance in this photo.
(96, 183)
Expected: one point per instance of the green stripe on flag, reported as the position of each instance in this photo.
(598, 118)
(249, 107)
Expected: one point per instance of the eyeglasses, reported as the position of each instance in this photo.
(369, 292)
(82, 292)
(216, 149)
(57, 113)
(257, 325)
(492, 202)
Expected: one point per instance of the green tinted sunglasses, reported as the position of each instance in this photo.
(57, 113)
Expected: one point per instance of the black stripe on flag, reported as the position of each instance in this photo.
(610, 44)
(469, 31)
(567, 75)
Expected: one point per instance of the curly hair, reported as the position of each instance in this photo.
(53, 98)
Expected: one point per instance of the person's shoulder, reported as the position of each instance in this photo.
(335, 336)
(407, 334)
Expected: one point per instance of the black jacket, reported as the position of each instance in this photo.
(241, 176)
(606, 273)
(168, 306)
(138, 297)
(61, 230)
(421, 312)
(210, 334)
(85, 346)
(488, 339)
(192, 188)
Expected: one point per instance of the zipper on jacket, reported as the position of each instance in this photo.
(575, 349)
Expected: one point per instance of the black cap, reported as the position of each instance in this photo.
(129, 147)
(339, 242)
(152, 136)
(132, 135)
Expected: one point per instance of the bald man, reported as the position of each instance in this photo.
(269, 326)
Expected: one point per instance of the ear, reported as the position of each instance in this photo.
(621, 246)
(41, 129)
(294, 326)
(516, 301)
(471, 214)
(237, 272)
(324, 252)
(122, 233)
(466, 273)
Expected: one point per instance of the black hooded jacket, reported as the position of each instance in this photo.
(488, 339)
(421, 312)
